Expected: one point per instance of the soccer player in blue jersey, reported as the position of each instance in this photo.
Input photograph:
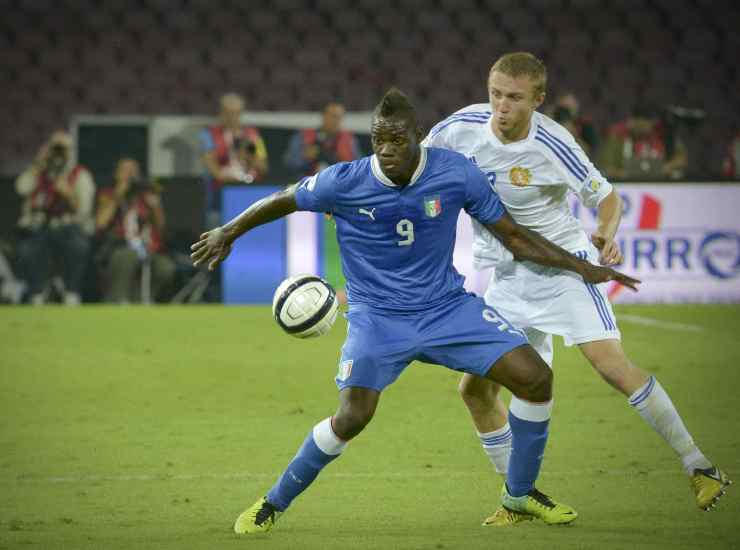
(396, 214)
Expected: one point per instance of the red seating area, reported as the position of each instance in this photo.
(60, 58)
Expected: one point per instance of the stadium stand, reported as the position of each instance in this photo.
(176, 56)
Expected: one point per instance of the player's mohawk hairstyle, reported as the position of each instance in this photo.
(396, 104)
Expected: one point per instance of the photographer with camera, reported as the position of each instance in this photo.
(645, 145)
(56, 219)
(232, 154)
(311, 150)
(731, 162)
(130, 222)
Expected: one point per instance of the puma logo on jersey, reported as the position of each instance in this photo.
(370, 213)
(309, 183)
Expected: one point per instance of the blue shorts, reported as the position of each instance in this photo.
(463, 334)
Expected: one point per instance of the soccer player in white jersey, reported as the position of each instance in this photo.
(534, 162)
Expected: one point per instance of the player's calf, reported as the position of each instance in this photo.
(608, 359)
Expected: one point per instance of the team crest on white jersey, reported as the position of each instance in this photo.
(520, 176)
(432, 206)
(594, 185)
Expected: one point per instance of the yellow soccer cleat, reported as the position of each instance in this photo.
(504, 517)
(709, 486)
(258, 518)
(539, 505)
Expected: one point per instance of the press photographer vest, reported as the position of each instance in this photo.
(134, 216)
(341, 143)
(222, 147)
(44, 197)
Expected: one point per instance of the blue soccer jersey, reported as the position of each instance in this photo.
(396, 242)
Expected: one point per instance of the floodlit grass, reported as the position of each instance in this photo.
(155, 427)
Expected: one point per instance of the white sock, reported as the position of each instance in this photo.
(326, 439)
(497, 445)
(656, 408)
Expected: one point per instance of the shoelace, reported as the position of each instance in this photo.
(264, 513)
(542, 499)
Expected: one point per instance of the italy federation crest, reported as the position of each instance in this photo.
(432, 206)
(345, 370)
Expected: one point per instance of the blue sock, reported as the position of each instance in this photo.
(319, 448)
(529, 429)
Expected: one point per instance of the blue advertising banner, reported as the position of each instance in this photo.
(257, 263)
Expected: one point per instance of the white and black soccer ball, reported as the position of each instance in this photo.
(305, 306)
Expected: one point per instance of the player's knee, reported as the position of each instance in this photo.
(539, 386)
(477, 394)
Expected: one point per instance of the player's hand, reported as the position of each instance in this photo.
(212, 248)
(595, 274)
(609, 253)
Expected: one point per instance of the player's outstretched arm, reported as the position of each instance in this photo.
(528, 245)
(215, 245)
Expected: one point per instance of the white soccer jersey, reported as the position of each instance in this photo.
(532, 176)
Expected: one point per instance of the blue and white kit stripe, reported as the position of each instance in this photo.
(496, 439)
(599, 302)
(477, 117)
(644, 394)
(563, 152)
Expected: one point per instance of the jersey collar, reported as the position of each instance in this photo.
(382, 178)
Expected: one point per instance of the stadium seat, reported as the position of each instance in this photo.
(202, 47)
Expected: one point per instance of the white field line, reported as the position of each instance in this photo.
(348, 475)
(657, 323)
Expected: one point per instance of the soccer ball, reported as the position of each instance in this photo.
(305, 306)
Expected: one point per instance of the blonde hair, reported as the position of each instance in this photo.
(518, 64)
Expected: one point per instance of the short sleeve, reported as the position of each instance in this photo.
(437, 138)
(594, 191)
(481, 201)
(317, 193)
(582, 177)
(206, 141)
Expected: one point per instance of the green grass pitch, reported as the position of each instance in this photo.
(132, 428)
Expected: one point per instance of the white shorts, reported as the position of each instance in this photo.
(544, 301)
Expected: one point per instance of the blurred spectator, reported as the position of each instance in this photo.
(731, 164)
(11, 289)
(232, 154)
(566, 111)
(311, 150)
(130, 222)
(56, 220)
(643, 146)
